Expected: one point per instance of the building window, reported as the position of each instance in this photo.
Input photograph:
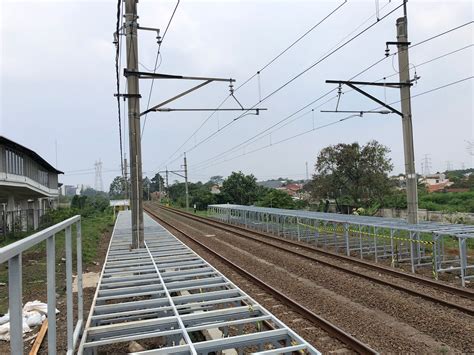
(43, 178)
(14, 162)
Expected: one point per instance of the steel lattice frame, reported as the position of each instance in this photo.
(422, 245)
(165, 292)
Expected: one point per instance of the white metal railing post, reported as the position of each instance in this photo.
(462, 260)
(80, 304)
(346, 239)
(51, 282)
(15, 304)
(69, 300)
(298, 228)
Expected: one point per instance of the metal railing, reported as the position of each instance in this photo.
(13, 255)
(436, 247)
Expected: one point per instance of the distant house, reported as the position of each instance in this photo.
(28, 186)
(294, 190)
(399, 181)
(436, 182)
(215, 189)
(271, 184)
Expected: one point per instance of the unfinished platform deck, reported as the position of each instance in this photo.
(171, 301)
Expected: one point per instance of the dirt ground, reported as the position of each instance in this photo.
(37, 291)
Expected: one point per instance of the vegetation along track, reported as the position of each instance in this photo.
(375, 309)
(327, 327)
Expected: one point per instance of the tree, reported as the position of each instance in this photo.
(276, 199)
(156, 182)
(117, 188)
(241, 189)
(353, 174)
(216, 180)
(78, 201)
(201, 197)
(89, 191)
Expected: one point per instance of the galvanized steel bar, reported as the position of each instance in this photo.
(15, 304)
(51, 282)
(69, 295)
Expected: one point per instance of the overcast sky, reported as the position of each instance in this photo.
(58, 80)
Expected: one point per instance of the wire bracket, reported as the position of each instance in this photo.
(352, 85)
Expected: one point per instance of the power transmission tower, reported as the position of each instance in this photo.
(98, 186)
(449, 165)
(426, 165)
(133, 96)
(470, 147)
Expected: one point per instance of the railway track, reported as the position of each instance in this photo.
(301, 249)
(335, 332)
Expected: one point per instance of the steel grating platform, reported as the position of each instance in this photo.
(170, 300)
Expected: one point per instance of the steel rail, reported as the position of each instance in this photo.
(447, 288)
(330, 328)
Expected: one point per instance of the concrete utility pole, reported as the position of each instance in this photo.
(167, 185)
(186, 182)
(404, 74)
(125, 175)
(136, 199)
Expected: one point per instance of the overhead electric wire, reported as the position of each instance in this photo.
(294, 78)
(442, 34)
(330, 124)
(257, 136)
(156, 67)
(336, 48)
(292, 44)
(250, 78)
(360, 73)
(254, 138)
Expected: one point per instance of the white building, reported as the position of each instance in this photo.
(28, 187)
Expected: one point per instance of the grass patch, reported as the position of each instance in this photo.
(201, 213)
(34, 259)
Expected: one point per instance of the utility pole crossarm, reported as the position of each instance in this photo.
(147, 75)
(167, 109)
(206, 81)
(353, 86)
(176, 172)
(394, 85)
(154, 108)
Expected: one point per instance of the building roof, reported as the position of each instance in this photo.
(294, 187)
(8, 142)
(114, 203)
(438, 187)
